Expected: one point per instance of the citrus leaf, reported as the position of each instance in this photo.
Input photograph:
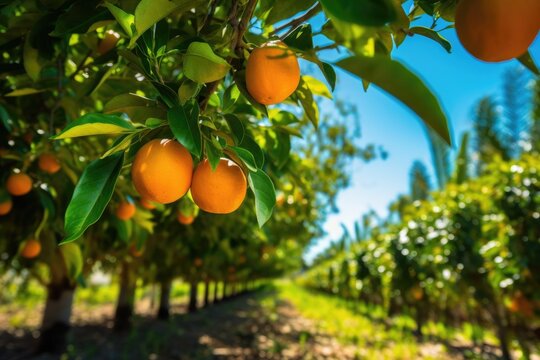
(124, 19)
(184, 123)
(361, 12)
(433, 35)
(265, 195)
(329, 74)
(24, 92)
(246, 157)
(305, 96)
(91, 195)
(202, 65)
(527, 61)
(300, 38)
(236, 126)
(317, 87)
(73, 259)
(240, 81)
(31, 60)
(397, 80)
(137, 108)
(79, 17)
(254, 148)
(284, 9)
(95, 124)
(230, 96)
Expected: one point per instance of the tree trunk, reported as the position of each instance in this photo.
(216, 289)
(192, 306)
(419, 321)
(164, 300)
(55, 324)
(206, 292)
(224, 290)
(126, 299)
(502, 335)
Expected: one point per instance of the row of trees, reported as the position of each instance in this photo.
(466, 253)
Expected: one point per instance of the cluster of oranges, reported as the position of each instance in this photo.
(20, 184)
(497, 30)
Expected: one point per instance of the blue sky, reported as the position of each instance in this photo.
(458, 79)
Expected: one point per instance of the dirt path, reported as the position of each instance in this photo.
(254, 326)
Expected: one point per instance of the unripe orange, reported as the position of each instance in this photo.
(19, 184)
(125, 210)
(162, 171)
(5, 207)
(221, 191)
(108, 42)
(272, 73)
(497, 30)
(48, 163)
(31, 249)
(147, 204)
(185, 220)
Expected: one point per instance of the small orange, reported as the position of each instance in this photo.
(125, 210)
(147, 204)
(136, 252)
(221, 191)
(198, 262)
(49, 163)
(162, 171)
(19, 184)
(185, 220)
(108, 42)
(5, 207)
(31, 249)
(417, 293)
(272, 73)
(497, 30)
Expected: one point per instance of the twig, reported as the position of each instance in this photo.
(208, 18)
(314, 10)
(243, 25)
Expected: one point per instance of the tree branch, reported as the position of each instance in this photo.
(314, 10)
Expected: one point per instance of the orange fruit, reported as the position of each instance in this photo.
(108, 42)
(185, 220)
(31, 249)
(198, 262)
(497, 30)
(125, 210)
(147, 204)
(19, 184)
(417, 293)
(5, 207)
(162, 171)
(221, 191)
(48, 163)
(134, 252)
(272, 73)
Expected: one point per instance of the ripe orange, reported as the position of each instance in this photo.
(198, 262)
(417, 293)
(31, 249)
(185, 220)
(497, 30)
(108, 42)
(19, 184)
(221, 191)
(5, 207)
(162, 171)
(125, 210)
(272, 73)
(48, 163)
(147, 204)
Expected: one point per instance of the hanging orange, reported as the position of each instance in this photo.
(19, 184)
(162, 171)
(125, 210)
(221, 191)
(185, 220)
(497, 30)
(31, 249)
(147, 204)
(48, 163)
(108, 42)
(272, 73)
(5, 207)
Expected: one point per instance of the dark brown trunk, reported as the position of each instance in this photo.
(206, 292)
(164, 300)
(192, 306)
(55, 324)
(216, 292)
(126, 300)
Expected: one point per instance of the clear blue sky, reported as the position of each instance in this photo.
(457, 78)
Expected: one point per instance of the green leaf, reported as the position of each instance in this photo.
(202, 65)
(95, 124)
(240, 81)
(361, 12)
(73, 259)
(137, 108)
(149, 12)
(79, 17)
(24, 92)
(284, 9)
(236, 126)
(168, 95)
(188, 90)
(213, 153)
(121, 144)
(305, 96)
(31, 60)
(397, 80)
(246, 157)
(265, 195)
(230, 96)
(317, 87)
(184, 123)
(433, 35)
(124, 19)
(527, 61)
(300, 38)
(92, 194)
(47, 201)
(329, 74)
(249, 144)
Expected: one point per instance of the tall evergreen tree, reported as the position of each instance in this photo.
(515, 110)
(419, 181)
